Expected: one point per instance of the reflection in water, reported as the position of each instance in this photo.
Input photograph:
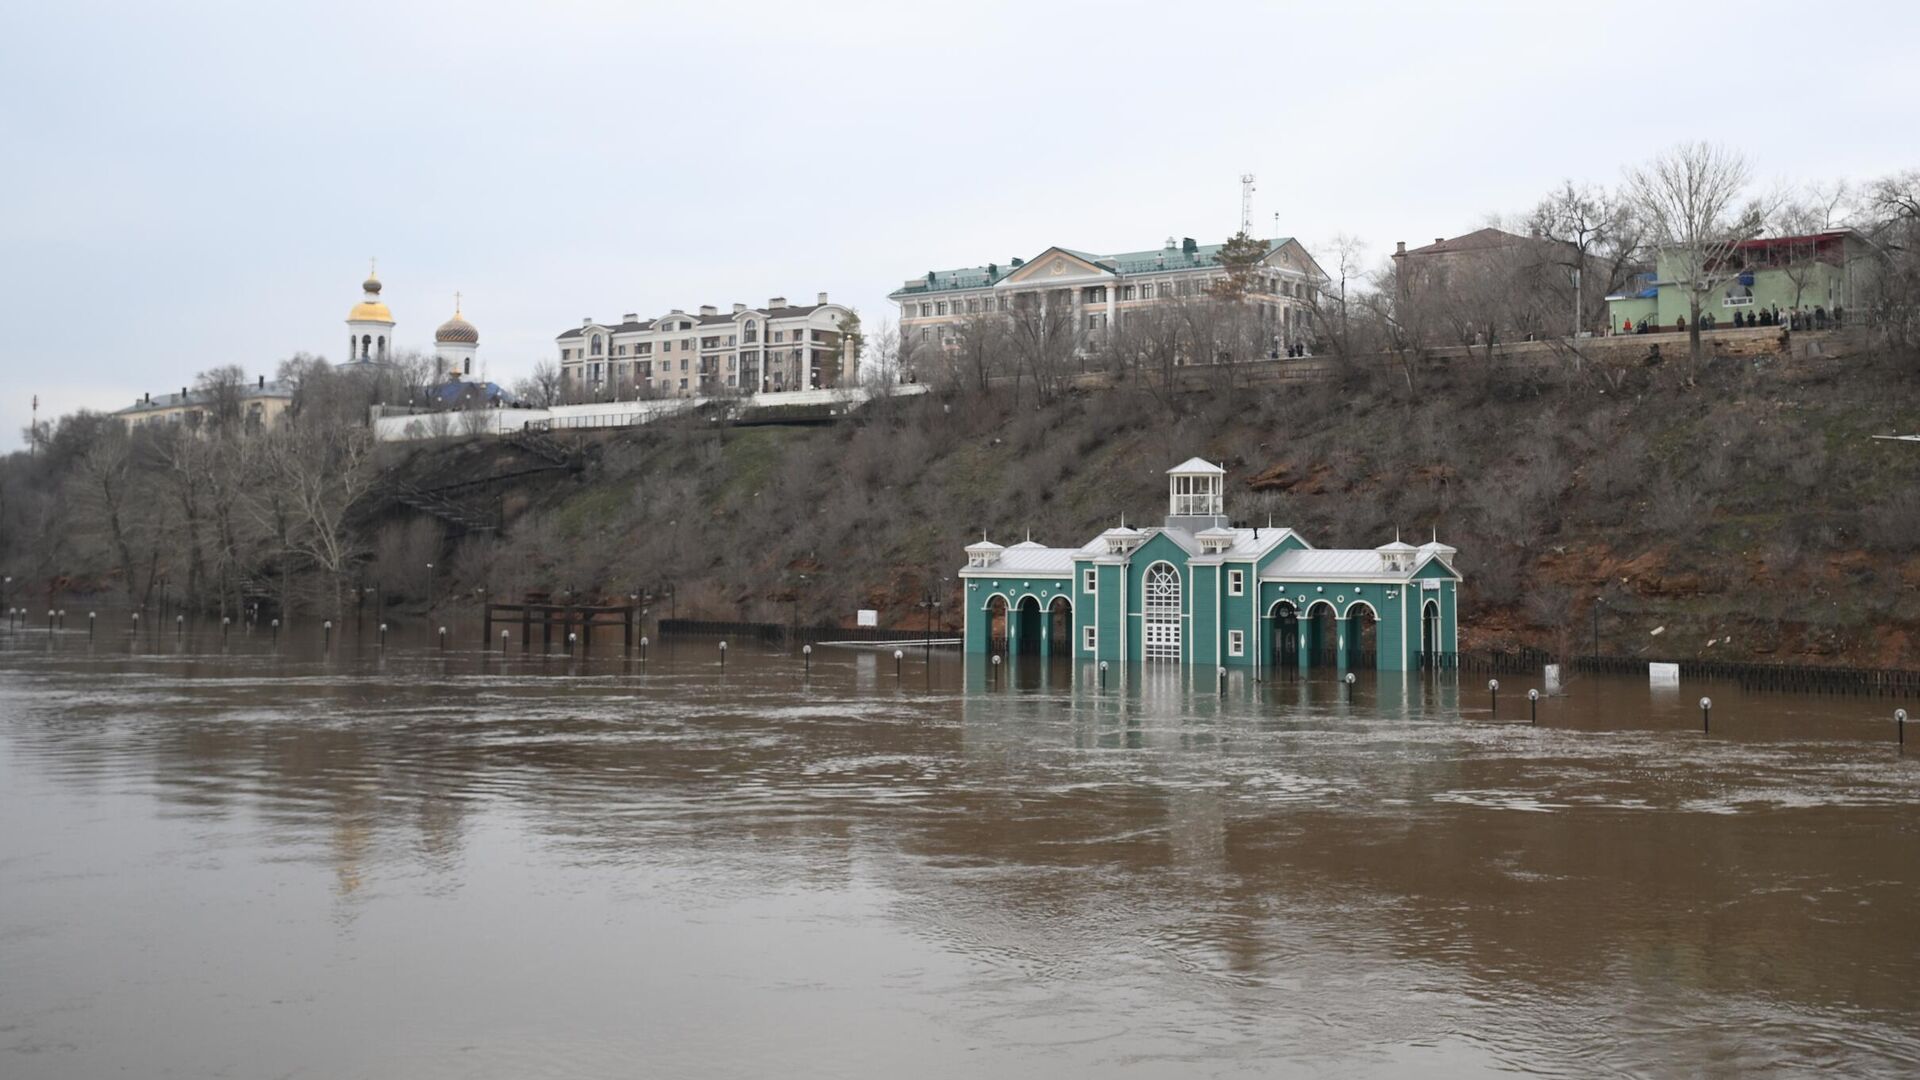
(265, 860)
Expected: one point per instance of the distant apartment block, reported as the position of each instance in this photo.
(1104, 291)
(255, 405)
(777, 347)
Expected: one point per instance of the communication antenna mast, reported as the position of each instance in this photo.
(1246, 202)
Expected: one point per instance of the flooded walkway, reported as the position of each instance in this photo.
(266, 859)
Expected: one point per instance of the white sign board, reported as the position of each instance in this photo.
(867, 617)
(1553, 678)
(1663, 674)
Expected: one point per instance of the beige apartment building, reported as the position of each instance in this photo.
(1103, 290)
(257, 404)
(746, 350)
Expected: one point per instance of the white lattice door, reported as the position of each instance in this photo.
(1160, 613)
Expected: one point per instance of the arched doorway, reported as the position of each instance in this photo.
(1026, 627)
(1060, 626)
(995, 611)
(1283, 630)
(1160, 613)
(1430, 634)
(1320, 630)
(1363, 635)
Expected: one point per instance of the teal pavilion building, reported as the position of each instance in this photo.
(1200, 591)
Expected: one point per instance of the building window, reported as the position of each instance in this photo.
(1236, 583)
(1089, 637)
(1090, 581)
(1236, 643)
(925, 310)
(940, 308)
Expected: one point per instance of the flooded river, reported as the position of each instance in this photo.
(270, 860)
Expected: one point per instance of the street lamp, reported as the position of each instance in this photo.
(1596, 628)
(429, 586)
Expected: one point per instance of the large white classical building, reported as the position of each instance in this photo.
(777, 347)
(1104, 290)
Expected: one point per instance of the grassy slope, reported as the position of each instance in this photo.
(1746, 507)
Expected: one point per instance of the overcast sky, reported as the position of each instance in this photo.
(190, 185)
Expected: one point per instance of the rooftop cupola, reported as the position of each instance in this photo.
(1443, 552)
(1121, 540)
(985, 553)
(1216, 540)
(1397, 557)
(1196, 495)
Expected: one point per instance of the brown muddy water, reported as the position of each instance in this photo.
(262, 861)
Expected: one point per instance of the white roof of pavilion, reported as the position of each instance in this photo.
(1333, 564)
(1197, 465)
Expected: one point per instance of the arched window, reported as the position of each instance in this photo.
(381, 346)
(366, 346)
(1160, 612)
(752, 331)
(596, 344)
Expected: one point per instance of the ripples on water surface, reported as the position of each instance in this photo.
(417, 864)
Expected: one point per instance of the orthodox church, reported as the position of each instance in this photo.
(1198, 590)
(370, 336)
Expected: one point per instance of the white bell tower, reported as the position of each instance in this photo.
(370, 325)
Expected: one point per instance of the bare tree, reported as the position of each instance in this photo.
(222, 388)
(981, 351)
(1892, 210)
(106, 492)
(542, 388)
(1694, 201)
(320, 472)
(1799, 220)
(1043, 340)
(1332, 312)
(1604, 244)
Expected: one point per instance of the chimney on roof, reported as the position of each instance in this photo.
(631, 316)
(778, 301)
(1172, 243)
(586, 321)
(822, 299)
(1399, 247)
(1439, 239)
(738, 308)
(676, 311)
(709, 309)
(263, 382)
(149, 397)
(1188, 246)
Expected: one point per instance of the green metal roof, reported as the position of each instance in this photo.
(1151, 261)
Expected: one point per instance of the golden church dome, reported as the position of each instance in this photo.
(457, 330)
(370, 311)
